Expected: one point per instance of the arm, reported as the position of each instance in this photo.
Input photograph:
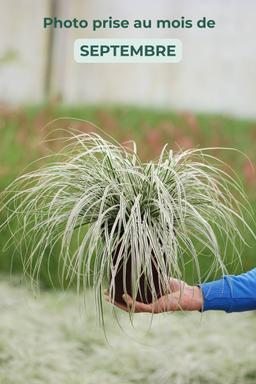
(181, 297)
(230, 294)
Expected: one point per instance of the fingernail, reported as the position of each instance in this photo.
(125, 298)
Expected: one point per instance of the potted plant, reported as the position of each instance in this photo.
(124, 222)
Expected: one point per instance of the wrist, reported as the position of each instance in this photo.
(198, 299)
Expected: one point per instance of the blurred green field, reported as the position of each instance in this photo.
(52, 344)
(24, 130)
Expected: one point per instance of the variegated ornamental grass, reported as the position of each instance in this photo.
(96, 198)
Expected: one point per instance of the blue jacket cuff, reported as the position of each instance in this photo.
(231, 293)
(217, 295)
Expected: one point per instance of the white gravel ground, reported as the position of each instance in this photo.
(49, 340)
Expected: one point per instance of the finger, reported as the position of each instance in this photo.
(166, 303)
(121, 306)
(131, 305)
(116, 303)
(127, 299)
(136, 306)
(171, 302)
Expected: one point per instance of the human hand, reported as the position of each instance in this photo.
(181, 297)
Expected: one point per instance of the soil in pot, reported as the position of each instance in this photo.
(144, 293)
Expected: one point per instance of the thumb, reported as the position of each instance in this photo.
(174, 284)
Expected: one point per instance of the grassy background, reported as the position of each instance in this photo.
(52, 344)
(23, 133)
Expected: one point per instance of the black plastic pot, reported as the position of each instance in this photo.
(144, 294)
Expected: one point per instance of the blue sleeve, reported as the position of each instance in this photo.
(231, 293)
